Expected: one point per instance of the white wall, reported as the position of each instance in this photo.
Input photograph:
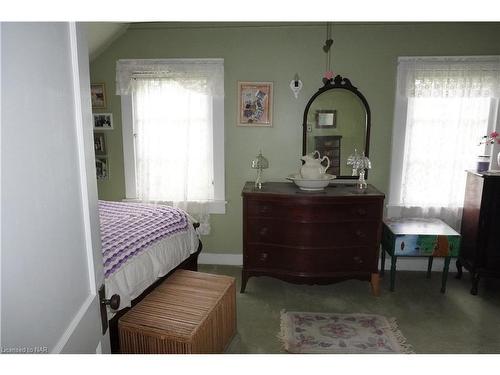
(45, 261)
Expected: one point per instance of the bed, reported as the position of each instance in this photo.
(142, 244)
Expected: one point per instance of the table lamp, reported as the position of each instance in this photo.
(260, 163)
(359, 164)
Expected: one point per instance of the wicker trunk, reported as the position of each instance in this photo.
(190, 312)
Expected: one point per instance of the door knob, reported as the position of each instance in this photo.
(113, 302)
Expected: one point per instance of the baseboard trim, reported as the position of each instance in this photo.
(222, 259)
(403, 264)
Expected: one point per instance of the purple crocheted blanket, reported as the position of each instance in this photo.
(127, 229)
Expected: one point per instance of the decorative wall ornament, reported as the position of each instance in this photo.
(327, 47)
(296, 85)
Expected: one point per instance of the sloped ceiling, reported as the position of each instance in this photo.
(101, 34)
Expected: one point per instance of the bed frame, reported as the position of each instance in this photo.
(190, 263)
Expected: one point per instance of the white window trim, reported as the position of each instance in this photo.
(128, 147)
(397, 151)
(494, 125)
(218, 205)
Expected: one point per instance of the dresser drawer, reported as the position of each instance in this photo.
(314, 235)
(295, 211)
(492, 264)
(363, 259)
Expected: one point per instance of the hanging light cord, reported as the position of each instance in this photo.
(328, 53)
(328, 45)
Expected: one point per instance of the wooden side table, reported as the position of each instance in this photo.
(415, 237)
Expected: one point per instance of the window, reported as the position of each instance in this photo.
(173, 130)
(443, 108)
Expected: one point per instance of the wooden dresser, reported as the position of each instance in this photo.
(480, 250)
(311, 237)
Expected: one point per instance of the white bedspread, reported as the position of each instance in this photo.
(137, 275)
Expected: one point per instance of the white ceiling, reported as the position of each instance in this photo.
(101, 34)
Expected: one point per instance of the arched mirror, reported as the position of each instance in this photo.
(336, 122)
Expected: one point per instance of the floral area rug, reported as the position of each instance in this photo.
(304, 332)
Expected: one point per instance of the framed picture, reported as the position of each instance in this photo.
(255, 103)
(326, 119)
(102, 168)
(99, 144)
(103, 121)
(98, 95)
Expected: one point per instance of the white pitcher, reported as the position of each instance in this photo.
(312, 168)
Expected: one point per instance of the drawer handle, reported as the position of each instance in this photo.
(263, 257)
(264, 209)
(361, 212)
(360, 234)
(264, 231)
(358, 260)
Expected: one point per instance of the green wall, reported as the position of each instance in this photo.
(365, 53)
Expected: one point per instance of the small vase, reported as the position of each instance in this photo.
(483, 163)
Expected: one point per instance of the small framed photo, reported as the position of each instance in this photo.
(98, 95)
(255, 104)
(99, 144)
(326, 119)
(102, 168)
(103, 121)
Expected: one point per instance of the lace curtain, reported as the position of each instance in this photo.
(173, 130)
(204, 76)
(448, 110)
(467, 77)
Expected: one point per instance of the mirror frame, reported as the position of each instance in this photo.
(336, 83)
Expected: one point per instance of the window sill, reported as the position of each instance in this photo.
(214, 207)
(217, 207)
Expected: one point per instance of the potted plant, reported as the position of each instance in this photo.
(484, 160)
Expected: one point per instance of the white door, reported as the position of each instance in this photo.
(51, 264)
